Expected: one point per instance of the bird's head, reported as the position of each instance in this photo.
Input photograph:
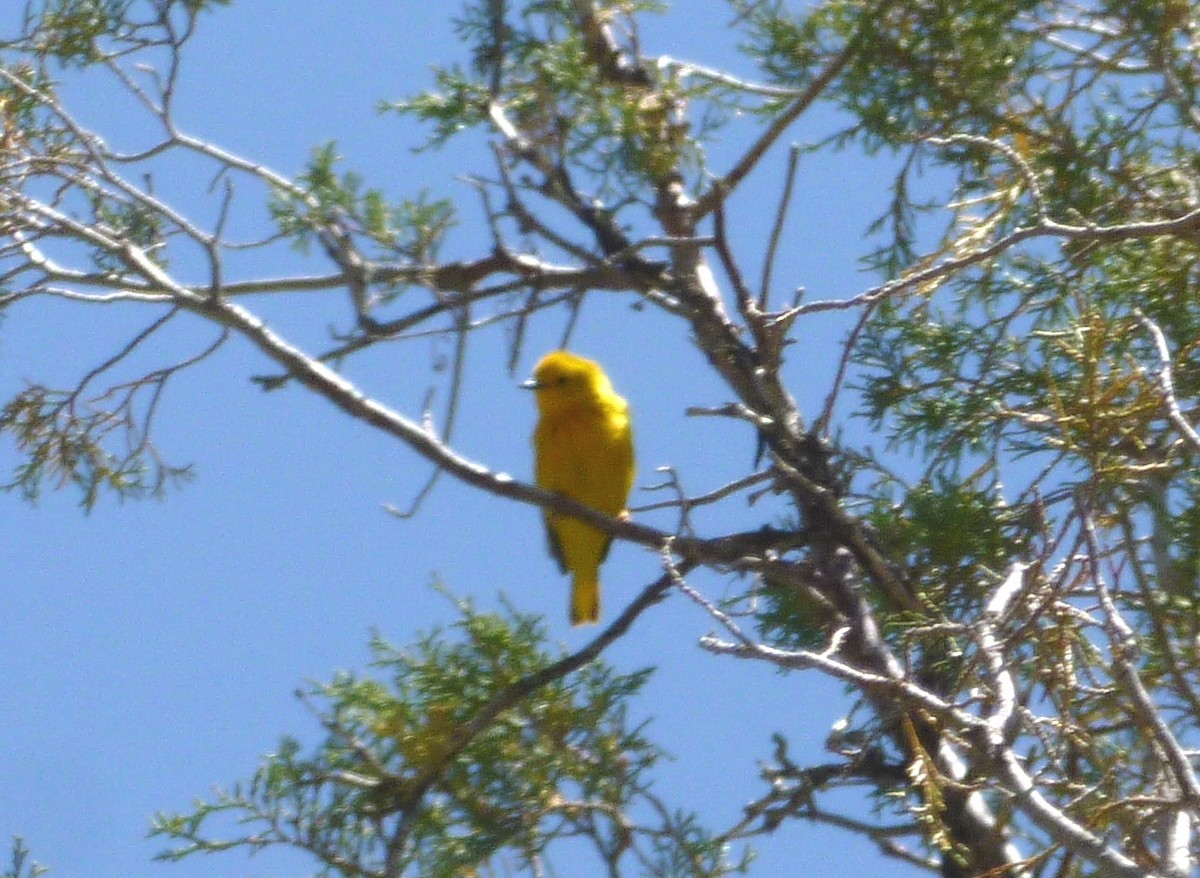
(562, 380)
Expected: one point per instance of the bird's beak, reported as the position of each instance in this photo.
(531, 384)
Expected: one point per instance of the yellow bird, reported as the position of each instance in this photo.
(583, 445)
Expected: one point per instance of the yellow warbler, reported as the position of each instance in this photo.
(583, 446)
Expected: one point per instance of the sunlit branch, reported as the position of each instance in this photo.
(687, 69)
(1123, 645)
(1183, 225)
(1166, 381)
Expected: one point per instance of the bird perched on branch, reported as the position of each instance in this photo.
(583, 448)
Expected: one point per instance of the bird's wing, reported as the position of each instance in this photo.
(604, 551)
(553, 545)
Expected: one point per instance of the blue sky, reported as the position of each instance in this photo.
(152, 648)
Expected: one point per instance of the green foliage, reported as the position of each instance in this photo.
(546, 74)
(19, 106)
(133, 222)
(791, 618)
(950, 535)
(786, 614)
(934, 376)
(412, 230)
(73, 32)
(786, 45)
(918, 67)
(27, 126)
(19, 868)
(457, 104)
(403, 776)
(1038, 363)
(69, 29)
(62, 440)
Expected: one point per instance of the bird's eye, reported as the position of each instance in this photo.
(562, 379)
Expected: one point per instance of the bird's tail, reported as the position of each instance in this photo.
(585, 599)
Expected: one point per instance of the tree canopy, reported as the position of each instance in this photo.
(1003, 573)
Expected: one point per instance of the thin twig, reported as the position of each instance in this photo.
(785, 198)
